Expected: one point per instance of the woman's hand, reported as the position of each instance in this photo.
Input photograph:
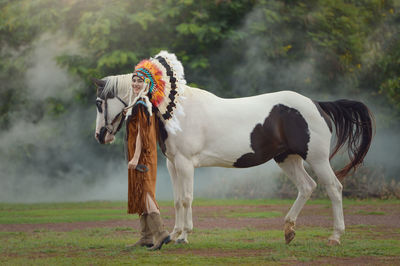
(135, 159)
(132, 164)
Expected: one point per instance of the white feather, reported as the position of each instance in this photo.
(175, 64)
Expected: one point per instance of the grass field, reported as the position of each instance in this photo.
(225, 232)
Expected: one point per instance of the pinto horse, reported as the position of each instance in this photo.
(199, 129)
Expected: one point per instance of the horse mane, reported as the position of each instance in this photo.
(116, 84)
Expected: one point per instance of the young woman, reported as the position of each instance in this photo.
(141, 142)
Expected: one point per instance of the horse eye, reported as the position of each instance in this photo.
(98, 104)
(110, 95)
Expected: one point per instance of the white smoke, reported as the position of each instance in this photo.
(255, 75)
(49, 159)
(44, 78)
(51, 143)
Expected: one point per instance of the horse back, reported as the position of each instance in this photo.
(244, 132)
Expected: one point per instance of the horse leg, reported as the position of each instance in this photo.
(178, 228)
(323, 170)
(294, 169)
(185, 173)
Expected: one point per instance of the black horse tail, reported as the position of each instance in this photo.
(354, 124)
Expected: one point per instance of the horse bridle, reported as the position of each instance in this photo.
(120, 116)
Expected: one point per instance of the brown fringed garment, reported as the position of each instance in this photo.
(139, 184)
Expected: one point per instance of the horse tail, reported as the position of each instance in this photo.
(354, 124)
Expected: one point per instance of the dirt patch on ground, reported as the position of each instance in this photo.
(210, 217)
(350, 261)
(382, 222)
(255, 253)
(220, 253)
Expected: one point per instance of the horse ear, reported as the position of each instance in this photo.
(98, 82)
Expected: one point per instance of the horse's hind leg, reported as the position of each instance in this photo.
(323, 170)
(294, 169)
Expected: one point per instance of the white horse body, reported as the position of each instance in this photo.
(206, 130)
(205, 140)
(216, 132)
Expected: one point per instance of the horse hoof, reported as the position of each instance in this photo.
(333, 242)
(289, 236)
(290, 233)
(174, 235)
(181, 241)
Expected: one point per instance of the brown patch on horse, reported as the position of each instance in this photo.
(283, 132)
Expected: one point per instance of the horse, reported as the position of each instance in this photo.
(200, 129)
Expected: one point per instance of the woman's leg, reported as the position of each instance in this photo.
(156, 225)
(150, 205)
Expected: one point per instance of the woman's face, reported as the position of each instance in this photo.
(137, 84)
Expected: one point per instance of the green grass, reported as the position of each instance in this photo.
(104, 210)
(269, 214)
(47, 215)
(107, 246)
(240, 202)
(259, 202)
(250, 246)
(370, 212)
(374, 202)
(63, 205)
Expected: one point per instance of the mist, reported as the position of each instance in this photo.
(255, 75)
(63, 162)
(49, 158)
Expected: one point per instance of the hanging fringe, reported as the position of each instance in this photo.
(136, 194)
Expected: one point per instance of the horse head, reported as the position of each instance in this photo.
(113, 94)
(110, 106)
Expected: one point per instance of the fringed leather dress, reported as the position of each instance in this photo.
(141, 183)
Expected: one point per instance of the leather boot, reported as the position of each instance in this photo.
(146, 238)
(160, 235)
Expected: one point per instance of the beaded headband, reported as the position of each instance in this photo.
(148, 70)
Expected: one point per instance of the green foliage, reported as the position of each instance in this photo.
(392, 88)
(115, 35)
(232, 48)
(390, 77)
(117, 59)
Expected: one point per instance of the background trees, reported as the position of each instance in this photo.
(326, 49)
(347, 46)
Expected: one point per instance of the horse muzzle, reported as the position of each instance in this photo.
(101, 136)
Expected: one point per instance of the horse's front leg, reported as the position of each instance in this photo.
(185, 173)
(178, 228)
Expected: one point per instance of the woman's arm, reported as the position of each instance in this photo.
(135, 159)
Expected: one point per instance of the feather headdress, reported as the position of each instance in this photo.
(152, 75)
(164, 75)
